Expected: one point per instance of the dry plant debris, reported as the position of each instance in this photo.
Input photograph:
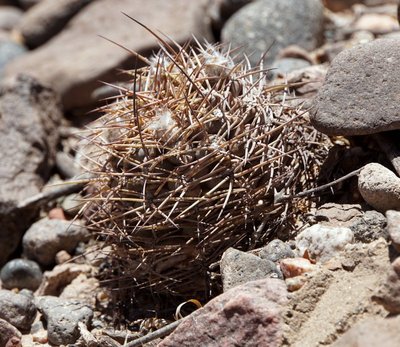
(188, 162)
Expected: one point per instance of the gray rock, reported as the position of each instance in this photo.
(30, 115)
(360, 91)
(276, 250)
(393, 228)
(379, 187)
(9, 50)
(267, 25)
(72, 204)
(9, 17)
(239, 267)
(7, 332)
(283, 66)
(323, 242)
(17, 309)
(247, 315)
(46, 237)
(47, 19)
(62, 318)
(80, 43)
(21, 273)
(369, 227)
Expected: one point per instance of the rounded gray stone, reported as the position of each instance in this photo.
(379, 187)
(361, 91)
(270, 25)
(276, 250)
(21, 273)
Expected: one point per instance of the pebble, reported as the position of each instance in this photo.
(283, 66)
(323, 242)
(9, 17)
(276, 250)
(45, 238)
(21, 273)
(360, 89)
(17, 309)
(72, 204)
(62, 317)
(377, 24)
(239, 267)
(268, 26)
(393, 228)
(369, 227)
(379, 187)
(7, 332)
(292, 267)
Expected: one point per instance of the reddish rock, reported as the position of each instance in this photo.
(8, 333)
(57, 213)
(76, 60)
(247, 315)
(292, 267)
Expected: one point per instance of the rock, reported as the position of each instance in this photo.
(323, 242)
(393, 228)
(9, 17)
(82, 288)
(275, 250)
(379, 187)
(46, 237)
(62, 317)
(338, 214)
(80, 43)
(239, 267)
(17, 309)
(9, 50)
(388, 294)
(247, 315)
(30, 115)
(371, 226)
(292, 267)
(372, 332)
(365, 72)
(56, 213)
(62, 257)
(57, 279)
(7, 332)
(72, 204)
(26, 4)
(21, 273)
(47, 19)
(229, 7)
(377, 24)
(283, 66)
(268, 26)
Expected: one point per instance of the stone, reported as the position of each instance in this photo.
(82, 288)
(267, 26)
(62, 317)
(372, 332)
(9, 50)
(247, 315)
(276, 250)
(377, 24)
(371, 226)
(45, 238)
(60, 276)
(393, 228)
(229, 7)
(17, 309)
(26, 4)
(9, 17)
(72, 204)
(283, 66)
(7, 332)
(388, 294)
(30, 114)
(360, 91)
(379, 187)
(323, 242)
(338, 214)
(239, 267)
(47, 19)
(21, 273)
(292, 267)
(80, 43)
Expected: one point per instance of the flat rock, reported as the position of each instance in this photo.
(94, 58)
(30, 114)
(45, 238)
(266, 25)
(47, 19)
(379, 187)
(372, 332)
(239, 267)
(247, 315)
(17, 309)
(361, 90)
(62, 318)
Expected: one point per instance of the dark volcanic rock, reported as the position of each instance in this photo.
(361, 91)
(21, 273)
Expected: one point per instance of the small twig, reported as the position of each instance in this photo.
(164, 331)
(281, 198)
